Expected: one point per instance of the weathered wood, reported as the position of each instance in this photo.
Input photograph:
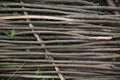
(59, 39)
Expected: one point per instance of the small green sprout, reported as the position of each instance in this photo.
(27, 50)
(5, 5)
(38, 71)
(113, 59)
(10, 33)
(15, 13)
(46, 57)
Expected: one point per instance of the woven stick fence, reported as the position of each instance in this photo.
(59, 40)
